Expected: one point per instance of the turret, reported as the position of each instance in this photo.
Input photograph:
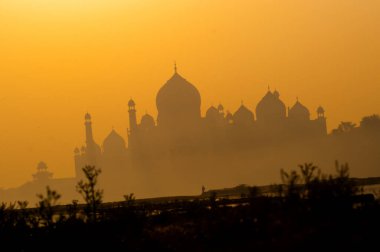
(132, 115)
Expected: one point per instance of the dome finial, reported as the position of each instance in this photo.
(175, 66)
(268, 88)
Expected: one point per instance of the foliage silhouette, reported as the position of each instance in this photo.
(91, 195)
(344, 127)
(371, 122)
(45, 206)
(312, 212)
(129, 199)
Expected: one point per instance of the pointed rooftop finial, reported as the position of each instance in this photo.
(242, 102)
(175, 67)
(297, 98)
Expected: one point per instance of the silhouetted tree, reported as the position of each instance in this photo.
(129, 199)
(310, 175)
(344, 127)
(370, 122)
(254, 192)
(291, 180)
(46, 204)
(91, 195)
(344, 186)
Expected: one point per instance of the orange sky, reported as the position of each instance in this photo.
(61, 58)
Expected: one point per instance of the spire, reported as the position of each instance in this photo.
(175, 67)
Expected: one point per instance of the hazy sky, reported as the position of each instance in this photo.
(62, 58)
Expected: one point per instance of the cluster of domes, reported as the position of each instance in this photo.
(178, 103)
(269, 110)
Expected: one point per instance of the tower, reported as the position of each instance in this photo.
(320, 112)
(92, 149)
(132, 115)
(321, 119)
(88, 126)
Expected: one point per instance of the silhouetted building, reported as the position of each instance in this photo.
(181, 135)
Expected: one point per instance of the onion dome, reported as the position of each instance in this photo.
(220, 108)
(299, 111)
(270, 108)
(243, 116)
(178, 102)
(147, 121)
(113, 142)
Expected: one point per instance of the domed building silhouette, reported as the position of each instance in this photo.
(180, 137)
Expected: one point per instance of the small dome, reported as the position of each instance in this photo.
(212, 112)
(42, 166)
(299, 111)
(131, 103)
(270, 108)
(87, 116)
(276, 94)
(147, 121)
(220, 107)
(76, 150)
(243, 116)
(320, 110)
(113, 142)
(229, 117)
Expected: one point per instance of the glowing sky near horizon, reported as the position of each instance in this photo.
(62, 58)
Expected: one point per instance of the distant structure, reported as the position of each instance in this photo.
(180, 151)
(180, 130)
(42, 175)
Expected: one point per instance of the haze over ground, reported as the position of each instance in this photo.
(60, 59)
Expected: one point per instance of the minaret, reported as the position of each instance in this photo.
(132, 115)
(88, 124)
(92, 150)
(321, 119)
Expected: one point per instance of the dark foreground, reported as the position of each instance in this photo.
(307, 213)
(256, 223)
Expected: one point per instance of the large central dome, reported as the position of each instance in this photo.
(271, 108)
(178, 102)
